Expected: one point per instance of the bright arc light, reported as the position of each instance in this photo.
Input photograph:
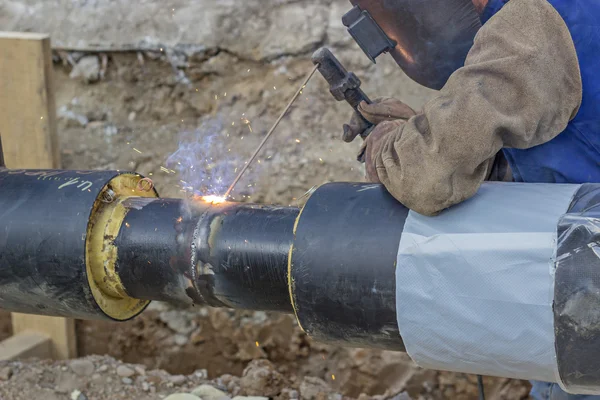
(213, 199)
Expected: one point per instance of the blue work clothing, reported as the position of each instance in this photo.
(574, 155)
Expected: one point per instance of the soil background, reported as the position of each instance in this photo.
(158, 86)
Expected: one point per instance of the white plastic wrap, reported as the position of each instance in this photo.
(474, 285)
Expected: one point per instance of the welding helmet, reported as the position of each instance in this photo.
(429, 39)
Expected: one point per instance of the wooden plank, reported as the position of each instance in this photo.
(27, 108)
(26, 345)
(29, 139)
(60, 330)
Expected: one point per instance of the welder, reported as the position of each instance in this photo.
(519, 99)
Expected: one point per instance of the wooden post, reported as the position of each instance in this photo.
(29, 140)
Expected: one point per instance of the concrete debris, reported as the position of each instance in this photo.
(87, 69)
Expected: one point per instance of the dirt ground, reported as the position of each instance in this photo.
(159, 111)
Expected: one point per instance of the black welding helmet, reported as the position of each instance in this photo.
(429, 39)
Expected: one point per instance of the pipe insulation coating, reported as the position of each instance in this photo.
(506, 283)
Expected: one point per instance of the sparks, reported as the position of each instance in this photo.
(257, 344)
(127, 224)
(213, 199)
(333, 377)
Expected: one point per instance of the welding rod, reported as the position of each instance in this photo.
(260, 146)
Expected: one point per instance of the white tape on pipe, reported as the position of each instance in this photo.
(474, 285)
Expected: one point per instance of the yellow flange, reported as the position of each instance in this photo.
(101, 252)
(291, 283)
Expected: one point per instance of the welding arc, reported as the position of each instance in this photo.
(260, 146)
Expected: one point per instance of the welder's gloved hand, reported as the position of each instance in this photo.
(373, 145)
(380, 110)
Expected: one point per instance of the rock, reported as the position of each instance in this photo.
(207, 392)
(261, 378)
(145, 386)
(182, 396)
(250, 398)
(82, 367)
(403, 396)
(124, 371)
(72, 119)
(127, 381)
(313, 388)
(141, 370)
(179, 107)
(66, 382)
(77, 395)
(103, 368)
(177, 322)
(5, 373)
(177, 379)
(181, 340)
(290, 394)
(201, 373)
(295, 28)
(87, 69)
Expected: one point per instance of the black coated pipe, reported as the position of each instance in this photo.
(44, 229)
(226, 255)
(343, 265)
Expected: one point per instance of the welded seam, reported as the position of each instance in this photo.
(291, 283)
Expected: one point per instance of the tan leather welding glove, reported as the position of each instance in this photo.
(519, 88)
(372, 147)
(380, 110)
